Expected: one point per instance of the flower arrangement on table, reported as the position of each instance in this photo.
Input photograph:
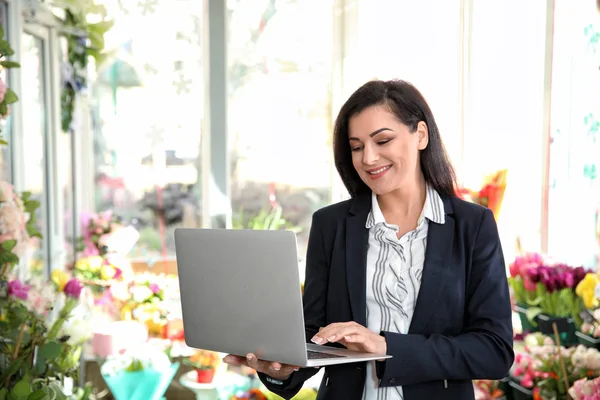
(491, 193)
(139, 374)
(205, 363)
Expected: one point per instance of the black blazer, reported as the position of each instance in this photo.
(461, 328)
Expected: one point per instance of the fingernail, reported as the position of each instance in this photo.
(227, 359)
(317, 340)
(249, 357)
(275, 368)
(296, 369)
(347, 337)
(331, 338)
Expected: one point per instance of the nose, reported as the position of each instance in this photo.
(370, 155)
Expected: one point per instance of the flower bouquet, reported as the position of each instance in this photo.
(145, 301)
(555, 299)
(523, 287)
(205, 363)
(491, 194)
(141, 374)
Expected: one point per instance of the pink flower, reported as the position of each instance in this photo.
(2, 90)
(17, 289)
(155, 288)
(73, 288)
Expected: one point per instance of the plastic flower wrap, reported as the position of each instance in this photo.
(140, 374)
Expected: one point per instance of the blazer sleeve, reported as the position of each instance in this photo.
(484, 350)
(314, 302)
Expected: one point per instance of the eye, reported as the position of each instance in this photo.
(355, 149)
(382, 142)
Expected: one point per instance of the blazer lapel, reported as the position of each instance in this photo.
(440, 240)
(357, 240)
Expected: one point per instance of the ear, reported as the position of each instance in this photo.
(422, 135)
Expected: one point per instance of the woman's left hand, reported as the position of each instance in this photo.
(353, 336)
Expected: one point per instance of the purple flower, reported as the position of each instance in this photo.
(155, 288)
(73, 288)
(534, 274)
(17, 289)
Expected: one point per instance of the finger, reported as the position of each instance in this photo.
(329, 331)
(234, 360)
(333, 336)
(355, 339)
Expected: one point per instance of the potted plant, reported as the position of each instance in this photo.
(205, 363)
(589, 332)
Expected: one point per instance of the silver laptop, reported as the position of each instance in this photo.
(240, 294)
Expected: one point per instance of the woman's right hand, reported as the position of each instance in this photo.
(273, 369)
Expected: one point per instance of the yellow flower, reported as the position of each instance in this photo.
(107, 272)
(586, 289)
(60, 279)
(92, 263)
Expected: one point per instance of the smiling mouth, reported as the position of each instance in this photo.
(379, 170)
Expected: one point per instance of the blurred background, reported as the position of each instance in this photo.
(188, 113)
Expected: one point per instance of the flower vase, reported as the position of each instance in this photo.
(587, 340)
(205, 375)
(526, 324)
(519, 392)
(564, 325)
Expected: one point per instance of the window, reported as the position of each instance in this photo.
(574, 187)
(280, 112)
(147, 117)
(34, 64)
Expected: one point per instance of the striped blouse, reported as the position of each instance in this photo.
(394, 270)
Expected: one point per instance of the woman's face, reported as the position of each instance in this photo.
(385, 153)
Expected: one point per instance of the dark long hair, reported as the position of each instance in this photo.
(409, 106)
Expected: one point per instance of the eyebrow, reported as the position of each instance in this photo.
(372, 133)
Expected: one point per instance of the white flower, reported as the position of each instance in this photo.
(77, 329)
(141, 293)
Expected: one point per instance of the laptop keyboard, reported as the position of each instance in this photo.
(315, 355)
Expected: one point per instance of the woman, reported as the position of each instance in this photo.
(403, 268)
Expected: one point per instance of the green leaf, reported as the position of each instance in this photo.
(22, 389)
(10, 64)
(3, 142)
(1, 37)
(50, 350)
(8, 245)
(3, 393)
(533, 312)
(37, 395)
(4, 45)
(10, 96)
(12, 369)
(3, 108)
